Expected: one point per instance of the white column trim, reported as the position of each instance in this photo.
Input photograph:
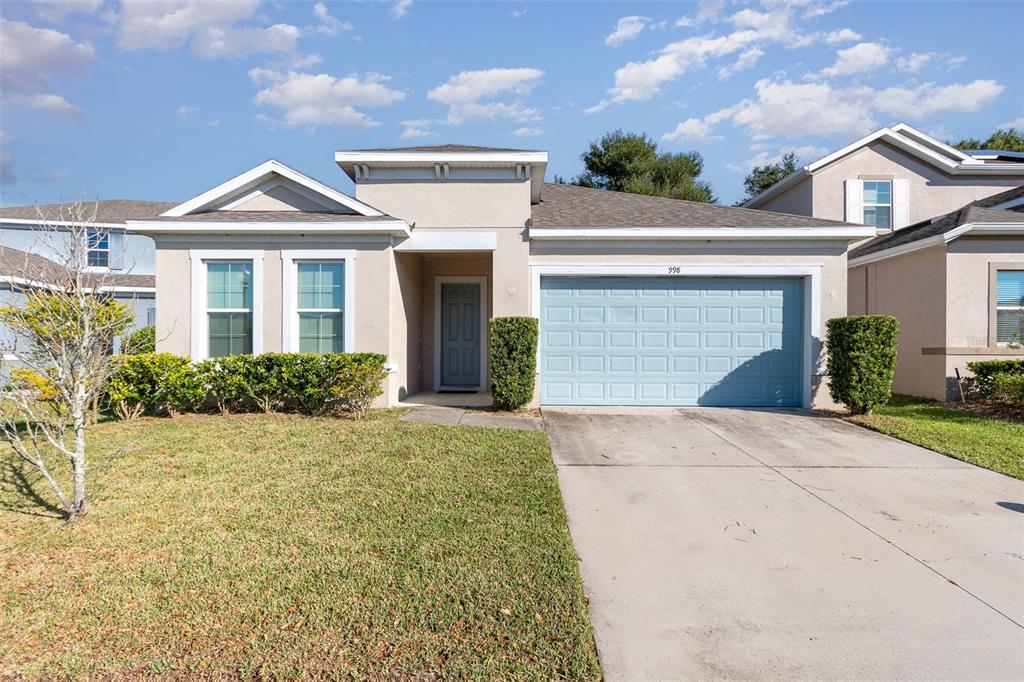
(446, 279)
(289, 293)
(811, 273)
(199, 345)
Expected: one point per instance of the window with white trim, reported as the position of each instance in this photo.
(98, 254)
(1009, 307)
(878, 203)
(320, 292)
(229, 309)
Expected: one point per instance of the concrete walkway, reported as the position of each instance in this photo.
(456, 416)
(745, 544)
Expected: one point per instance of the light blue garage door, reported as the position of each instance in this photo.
(671, 341)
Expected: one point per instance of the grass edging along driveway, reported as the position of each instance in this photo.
(287, 546)
(988, 442)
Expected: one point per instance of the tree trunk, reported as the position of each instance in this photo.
(78, 415)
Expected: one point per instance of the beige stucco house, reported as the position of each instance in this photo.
(892, 178)
(641, 300)
(956, 285)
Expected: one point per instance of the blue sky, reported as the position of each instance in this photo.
(163, 99)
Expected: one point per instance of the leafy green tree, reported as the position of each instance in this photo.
(1009, 140)
(762, 177)
(631, 162)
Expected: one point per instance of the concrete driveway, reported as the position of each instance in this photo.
(749, 544)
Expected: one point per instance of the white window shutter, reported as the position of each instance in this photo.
(855, 201)
(900, 203)
(115, 239)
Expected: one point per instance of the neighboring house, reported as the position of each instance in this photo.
(892, 178)
(23, 271)
(641, 300)
(28, 234)
(956, 285)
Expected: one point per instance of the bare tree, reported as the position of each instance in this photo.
(61, 337)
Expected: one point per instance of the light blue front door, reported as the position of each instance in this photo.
(460, 335)
(671, 341)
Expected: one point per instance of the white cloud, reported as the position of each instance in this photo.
(163, 24)
(419, 127)
(185, 110)
(53, 104)
(817, 10)
(914, 62)
(708, 10)
(626, 29)
(860, 58)
(527, 131)
(30, 57)
(214, 123)
(683, 22)
(321, 99)
(1017, 124)
(464, 92)
(242, 42)
(746, 60)
(692, 130)
(929, 99)
(401, 8)
(56, 10)
(639, 81)
(804, 154)
(329, 25)
(843, 35)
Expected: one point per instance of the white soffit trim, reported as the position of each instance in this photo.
(449, 241)
(386, 227)
(851, 232)
(29, 283)
(984, 229)
(430, 157)
(60, 223)
(260, 174)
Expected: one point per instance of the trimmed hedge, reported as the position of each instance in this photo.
(861, 360)
(1009, 388)
(161, 383)
(986, 371)
(142, 340)
(513, 360)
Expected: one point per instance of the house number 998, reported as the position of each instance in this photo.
(673, 270)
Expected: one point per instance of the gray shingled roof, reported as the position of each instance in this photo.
(272, 217)
(444, 148)
(33, 267)
(971, 213)
(574, 206)
(1001, 198)
(107, 211)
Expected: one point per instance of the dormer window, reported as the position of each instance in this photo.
(878, 203)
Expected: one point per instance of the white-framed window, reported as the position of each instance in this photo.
(318, 290)
(877, 203)
(1009, 307)
(227, 308)
(98, 251)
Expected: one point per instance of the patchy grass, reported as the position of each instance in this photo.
(995, 444)
(285, 546)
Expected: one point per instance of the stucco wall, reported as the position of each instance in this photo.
(856, 291)
(932, 192)
(831, 258)
(442, 203)
(797, 200)
(911, 288)
(406, 325)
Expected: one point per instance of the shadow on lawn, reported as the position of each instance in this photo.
(18, 492)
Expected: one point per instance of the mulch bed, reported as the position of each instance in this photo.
(988, 408)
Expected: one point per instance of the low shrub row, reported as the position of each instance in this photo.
(162, 383)
(986, 371)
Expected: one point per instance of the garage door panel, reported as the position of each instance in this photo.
(708, 341)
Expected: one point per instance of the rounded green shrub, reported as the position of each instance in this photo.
(142, 340)
(861, 360)
(986, 371)
(154, 383)
(513, 361)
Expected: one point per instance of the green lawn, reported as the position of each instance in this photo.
(995, 444)
(286, 546)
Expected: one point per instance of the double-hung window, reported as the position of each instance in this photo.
(98, 249)
(229, 307)
(320, 290)
(878, 203)
(1009, 307)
